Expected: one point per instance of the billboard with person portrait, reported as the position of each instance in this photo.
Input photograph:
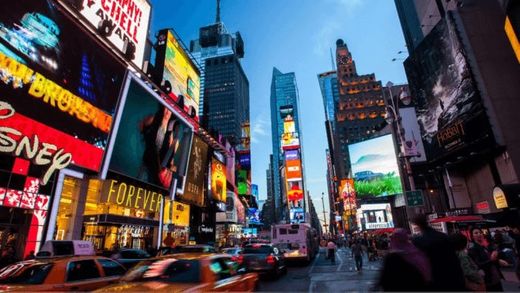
(218, 180)
(197, 167)
(153, 142)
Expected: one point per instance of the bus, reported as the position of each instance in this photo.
(296, 241)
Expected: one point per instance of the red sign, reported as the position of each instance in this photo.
(293, 170)
(482, 207)
(44, 146)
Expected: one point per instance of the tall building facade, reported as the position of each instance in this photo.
(284, 102)
(224, 87)
(360, 110)
(328, 82)
(472, 147)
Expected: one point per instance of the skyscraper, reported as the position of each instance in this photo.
(224, 86)
(360, 111)
(284, 104)
(329, 91)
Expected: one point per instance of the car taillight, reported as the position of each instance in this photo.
(240, 259)
(270, 259)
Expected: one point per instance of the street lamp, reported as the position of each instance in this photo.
(392, 115)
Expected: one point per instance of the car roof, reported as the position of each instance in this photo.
(191, 256)
(58, 259)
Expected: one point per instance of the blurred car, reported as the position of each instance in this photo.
(186, 249)
(191, 272)
(130, 257)
(262, 258)
(72, 273)
(367, 176)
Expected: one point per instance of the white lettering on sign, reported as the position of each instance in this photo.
(40, 153)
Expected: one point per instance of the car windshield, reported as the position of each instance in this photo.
(257, 249)
(230, 251)
(166, 270)
(24, 274)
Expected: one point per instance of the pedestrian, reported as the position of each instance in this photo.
(331, 248)
(484, 254)
(514, 233)
(473, 277)
(405, 267)
(447, 274)
(357, 254)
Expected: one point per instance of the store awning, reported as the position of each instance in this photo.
(383, 231)
(459, 219)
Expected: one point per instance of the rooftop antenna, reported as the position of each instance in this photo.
(332, 60)
(218, 11)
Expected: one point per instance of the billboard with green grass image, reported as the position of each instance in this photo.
(374, 167)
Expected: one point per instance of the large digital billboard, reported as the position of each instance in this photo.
(293, 170)
(58, 81)
(194, 191)
(375, 216)
(179, 71)
(450, 112)
(123, 23)
(347, 194)
(218, 180)
(152, 143)
(375, 169)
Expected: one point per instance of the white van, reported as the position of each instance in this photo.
(53, 248)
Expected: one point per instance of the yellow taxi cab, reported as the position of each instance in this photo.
(62, 273)
(189, 272)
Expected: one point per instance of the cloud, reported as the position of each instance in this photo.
(259, 128)
(325, 38)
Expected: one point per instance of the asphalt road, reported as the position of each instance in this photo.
(323, 276)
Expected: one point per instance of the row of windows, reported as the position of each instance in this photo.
(365, 103)
(361, 115)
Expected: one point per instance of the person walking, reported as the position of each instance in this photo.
(405, 267)
(473, 278)
(331, 249)
(357, 253)
(484, 254)
(447, 274)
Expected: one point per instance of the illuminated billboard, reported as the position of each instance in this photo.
(242, 182)
(375, 216)
(293, 170)
(194, 191)
(450, 111)
(124, 24)
(375, 169)
(152, 142)
(179, 71)
(294, 190)
(291, 155)
(347, 194)
(289, 126)
(290, 141)
(56, 78)
(218, 180)
(253, 216)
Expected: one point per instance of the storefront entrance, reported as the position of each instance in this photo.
(110, 237)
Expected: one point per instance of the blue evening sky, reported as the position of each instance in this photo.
(295, 36)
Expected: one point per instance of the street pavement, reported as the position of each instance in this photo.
(323, 276)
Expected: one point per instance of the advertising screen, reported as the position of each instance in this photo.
(194, 190)
(294, 190)
(179, 70)
(290, 141)
(291, 155)
(230, 164)
(413, 146)
(288, 126)
(450, 112)
(297, 215)
(250, 232)
(218, 180)
(152, 142)
(375, 216)
(347, 193)
(293, 170)
(375, 169)
(123, 23)
(253, 216)
(245, 161)
(54, 74)
(242, 182)
(254, 190)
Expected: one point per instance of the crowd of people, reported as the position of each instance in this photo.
(435, 261)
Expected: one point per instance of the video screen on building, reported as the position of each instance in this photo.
(58, 81)
(347, 195)
(179, 71)
(198, 164)
(374, 166)
(375, 216)
(124, 24)
(253, 216)
(293, 170)
(218, 180)
(152, 143)
(450, 112)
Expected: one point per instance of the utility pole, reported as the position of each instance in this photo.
(324, 213)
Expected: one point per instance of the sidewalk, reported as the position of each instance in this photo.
(510, 282)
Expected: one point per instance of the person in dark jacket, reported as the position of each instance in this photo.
(405, 267)
(484, 254)
(447, 273)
